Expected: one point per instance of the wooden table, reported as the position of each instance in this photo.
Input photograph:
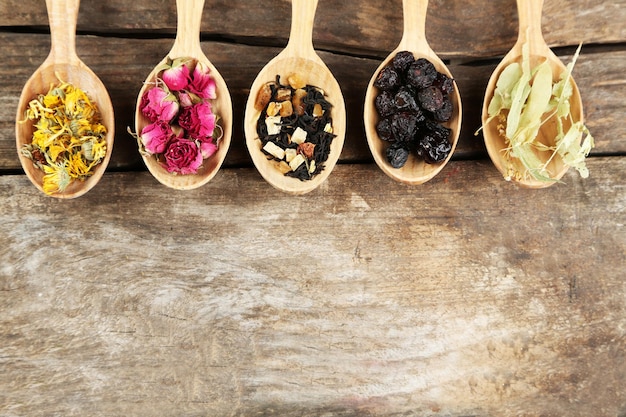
(464, 296)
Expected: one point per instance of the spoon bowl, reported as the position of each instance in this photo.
(299, 58)
(187, 45)
(529, 32)
(416, 170)
(63, 64)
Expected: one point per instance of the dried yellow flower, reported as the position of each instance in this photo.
(69, 139)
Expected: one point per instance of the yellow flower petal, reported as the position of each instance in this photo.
(56, 178)
(55, 150)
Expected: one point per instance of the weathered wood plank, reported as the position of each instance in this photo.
(474, 28)
(463, 296)
(123, 64)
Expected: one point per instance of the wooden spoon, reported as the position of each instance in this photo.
(62, 62)
(187, 45)
(416, 170)
(299, 58)
(529, 31)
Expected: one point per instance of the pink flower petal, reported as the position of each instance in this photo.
(202, 84)
(207, 149)
(177, 77)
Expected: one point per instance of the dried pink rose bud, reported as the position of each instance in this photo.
(176, 77)
(208, 148)
(185, 99)
(156, 136)
(183, 156)
(202, 84)
(198, 120)
(159, 105)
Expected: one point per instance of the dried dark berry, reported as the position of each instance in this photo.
(421, 73)
(430, 98)
(433, 150)
(402, 60)
(404, 126)
(412, 104)
(404, 100)
(385, 104)
(397, 154)
(435, 129)
(383, 128)
(444, 83)
(388, 79)
(434, 145)
(445, 112)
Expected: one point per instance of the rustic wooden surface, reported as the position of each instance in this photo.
(464, 296)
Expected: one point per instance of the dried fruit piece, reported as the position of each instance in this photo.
(296, 162)
(318, 111)
(387, 79)
(397, 154)
(383, 128)
(290, 153)
(283, 94)
(306, 149)
(286, 109)
(445, 112)
(283, 167)
(295, 81)
(263, 97)
(421, 73)
(297, 101)
(402, 60)
(404, 126)
(274, 150)
(430, 98)
(299, 136)
(273, 109)
(273, 125)
(385, 104)
(444, 83)
(434, 145)
(404, 100)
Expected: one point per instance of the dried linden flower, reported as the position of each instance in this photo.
(524, 99)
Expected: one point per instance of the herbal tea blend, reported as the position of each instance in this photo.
(524, 100)
(69, 138)
(182, 129)
(295, 126)
(413, 102)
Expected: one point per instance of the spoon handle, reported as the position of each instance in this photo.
(189, 19)
(301, 34)
(414, 34)
(62, 16)
(529, 12)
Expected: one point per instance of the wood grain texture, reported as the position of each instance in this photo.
(464, 296)
(481, 28)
